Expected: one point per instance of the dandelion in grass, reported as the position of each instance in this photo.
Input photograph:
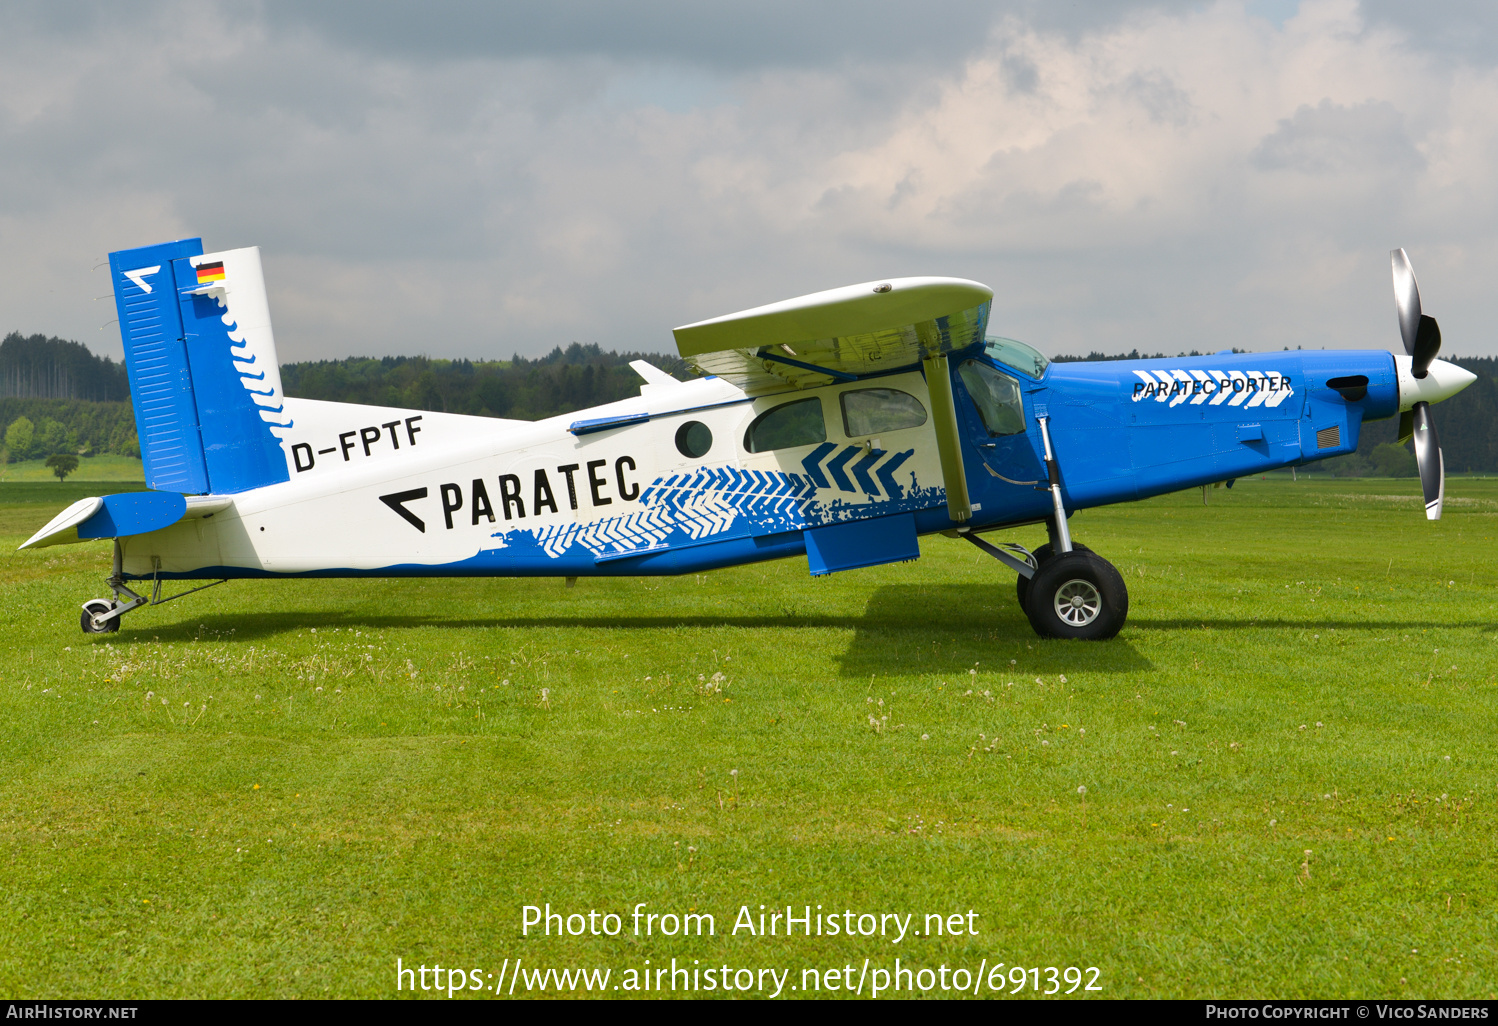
(925, 737)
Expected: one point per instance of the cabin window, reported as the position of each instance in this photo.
(997, 397)
(693, 439)
(872, 411)
(786, 426)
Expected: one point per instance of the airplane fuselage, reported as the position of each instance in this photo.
(686, 477)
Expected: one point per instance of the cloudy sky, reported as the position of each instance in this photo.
(476, 179)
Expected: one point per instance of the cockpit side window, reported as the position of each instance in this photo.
(786, 426)
(1026, 359)
(997, 397)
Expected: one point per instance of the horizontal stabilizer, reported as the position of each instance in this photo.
(840, 334)
(123, 515)
(652, 374)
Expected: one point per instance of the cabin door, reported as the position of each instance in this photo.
(1003, 469)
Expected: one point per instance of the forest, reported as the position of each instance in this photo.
(58, 397)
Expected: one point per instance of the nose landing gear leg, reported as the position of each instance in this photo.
(1074, 593)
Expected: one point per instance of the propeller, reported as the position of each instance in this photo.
(1422, 341)
(1421, 334)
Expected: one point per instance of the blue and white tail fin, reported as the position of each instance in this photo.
(204, 377)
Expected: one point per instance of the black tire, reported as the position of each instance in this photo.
(1022, 584)
(86, 618)
(1078, 596)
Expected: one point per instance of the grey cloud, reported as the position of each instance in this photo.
(459, 180)
(727, 36)
(1331, 139)
(1159, 96)
(1465, 29)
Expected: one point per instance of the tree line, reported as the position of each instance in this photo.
(563, 381)
(38, 367)
(45, 421)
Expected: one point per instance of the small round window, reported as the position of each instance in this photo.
(693, 439)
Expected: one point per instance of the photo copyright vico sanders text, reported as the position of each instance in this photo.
(871, 976)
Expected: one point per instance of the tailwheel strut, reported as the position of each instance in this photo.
(102, 616)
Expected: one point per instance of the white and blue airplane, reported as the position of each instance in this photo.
(841, 426)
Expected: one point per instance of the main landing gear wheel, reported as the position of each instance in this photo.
(94, 608)
(1045, 552)
(1077, 595)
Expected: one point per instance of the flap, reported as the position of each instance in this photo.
(840, 334)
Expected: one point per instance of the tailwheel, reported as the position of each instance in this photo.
(1045, 552)
(98, 607)
(1077, 595)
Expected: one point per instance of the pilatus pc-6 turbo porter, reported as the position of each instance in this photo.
(840, 426)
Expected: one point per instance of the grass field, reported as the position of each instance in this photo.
(279, 788)
(107, 467)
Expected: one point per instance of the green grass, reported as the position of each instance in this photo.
(106, 467)
(278, 788)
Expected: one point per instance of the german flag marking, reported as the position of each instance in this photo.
(210, 272)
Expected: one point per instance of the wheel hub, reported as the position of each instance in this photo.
(1078, 603)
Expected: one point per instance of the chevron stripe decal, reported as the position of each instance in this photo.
(1213, 387)
(835, 468)
(886, 473)
(841, 483)
(812, 463)
(861, 471)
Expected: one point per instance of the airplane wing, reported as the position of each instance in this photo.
(840, 334)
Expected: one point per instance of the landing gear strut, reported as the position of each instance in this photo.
(1066, 590)
(102, 616)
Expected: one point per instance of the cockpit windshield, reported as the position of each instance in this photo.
(1023, 358)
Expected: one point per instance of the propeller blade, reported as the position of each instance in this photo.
(1406, 426)
(1427, 345)
(1432, 464)
(1406, 299)
(1420, 334)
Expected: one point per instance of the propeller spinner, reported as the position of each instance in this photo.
(1422, 341)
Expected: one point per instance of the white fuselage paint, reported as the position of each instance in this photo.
(330, 514)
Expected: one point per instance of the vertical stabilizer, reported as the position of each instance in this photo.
(204, 377)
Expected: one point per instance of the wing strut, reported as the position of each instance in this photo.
(948, 442)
